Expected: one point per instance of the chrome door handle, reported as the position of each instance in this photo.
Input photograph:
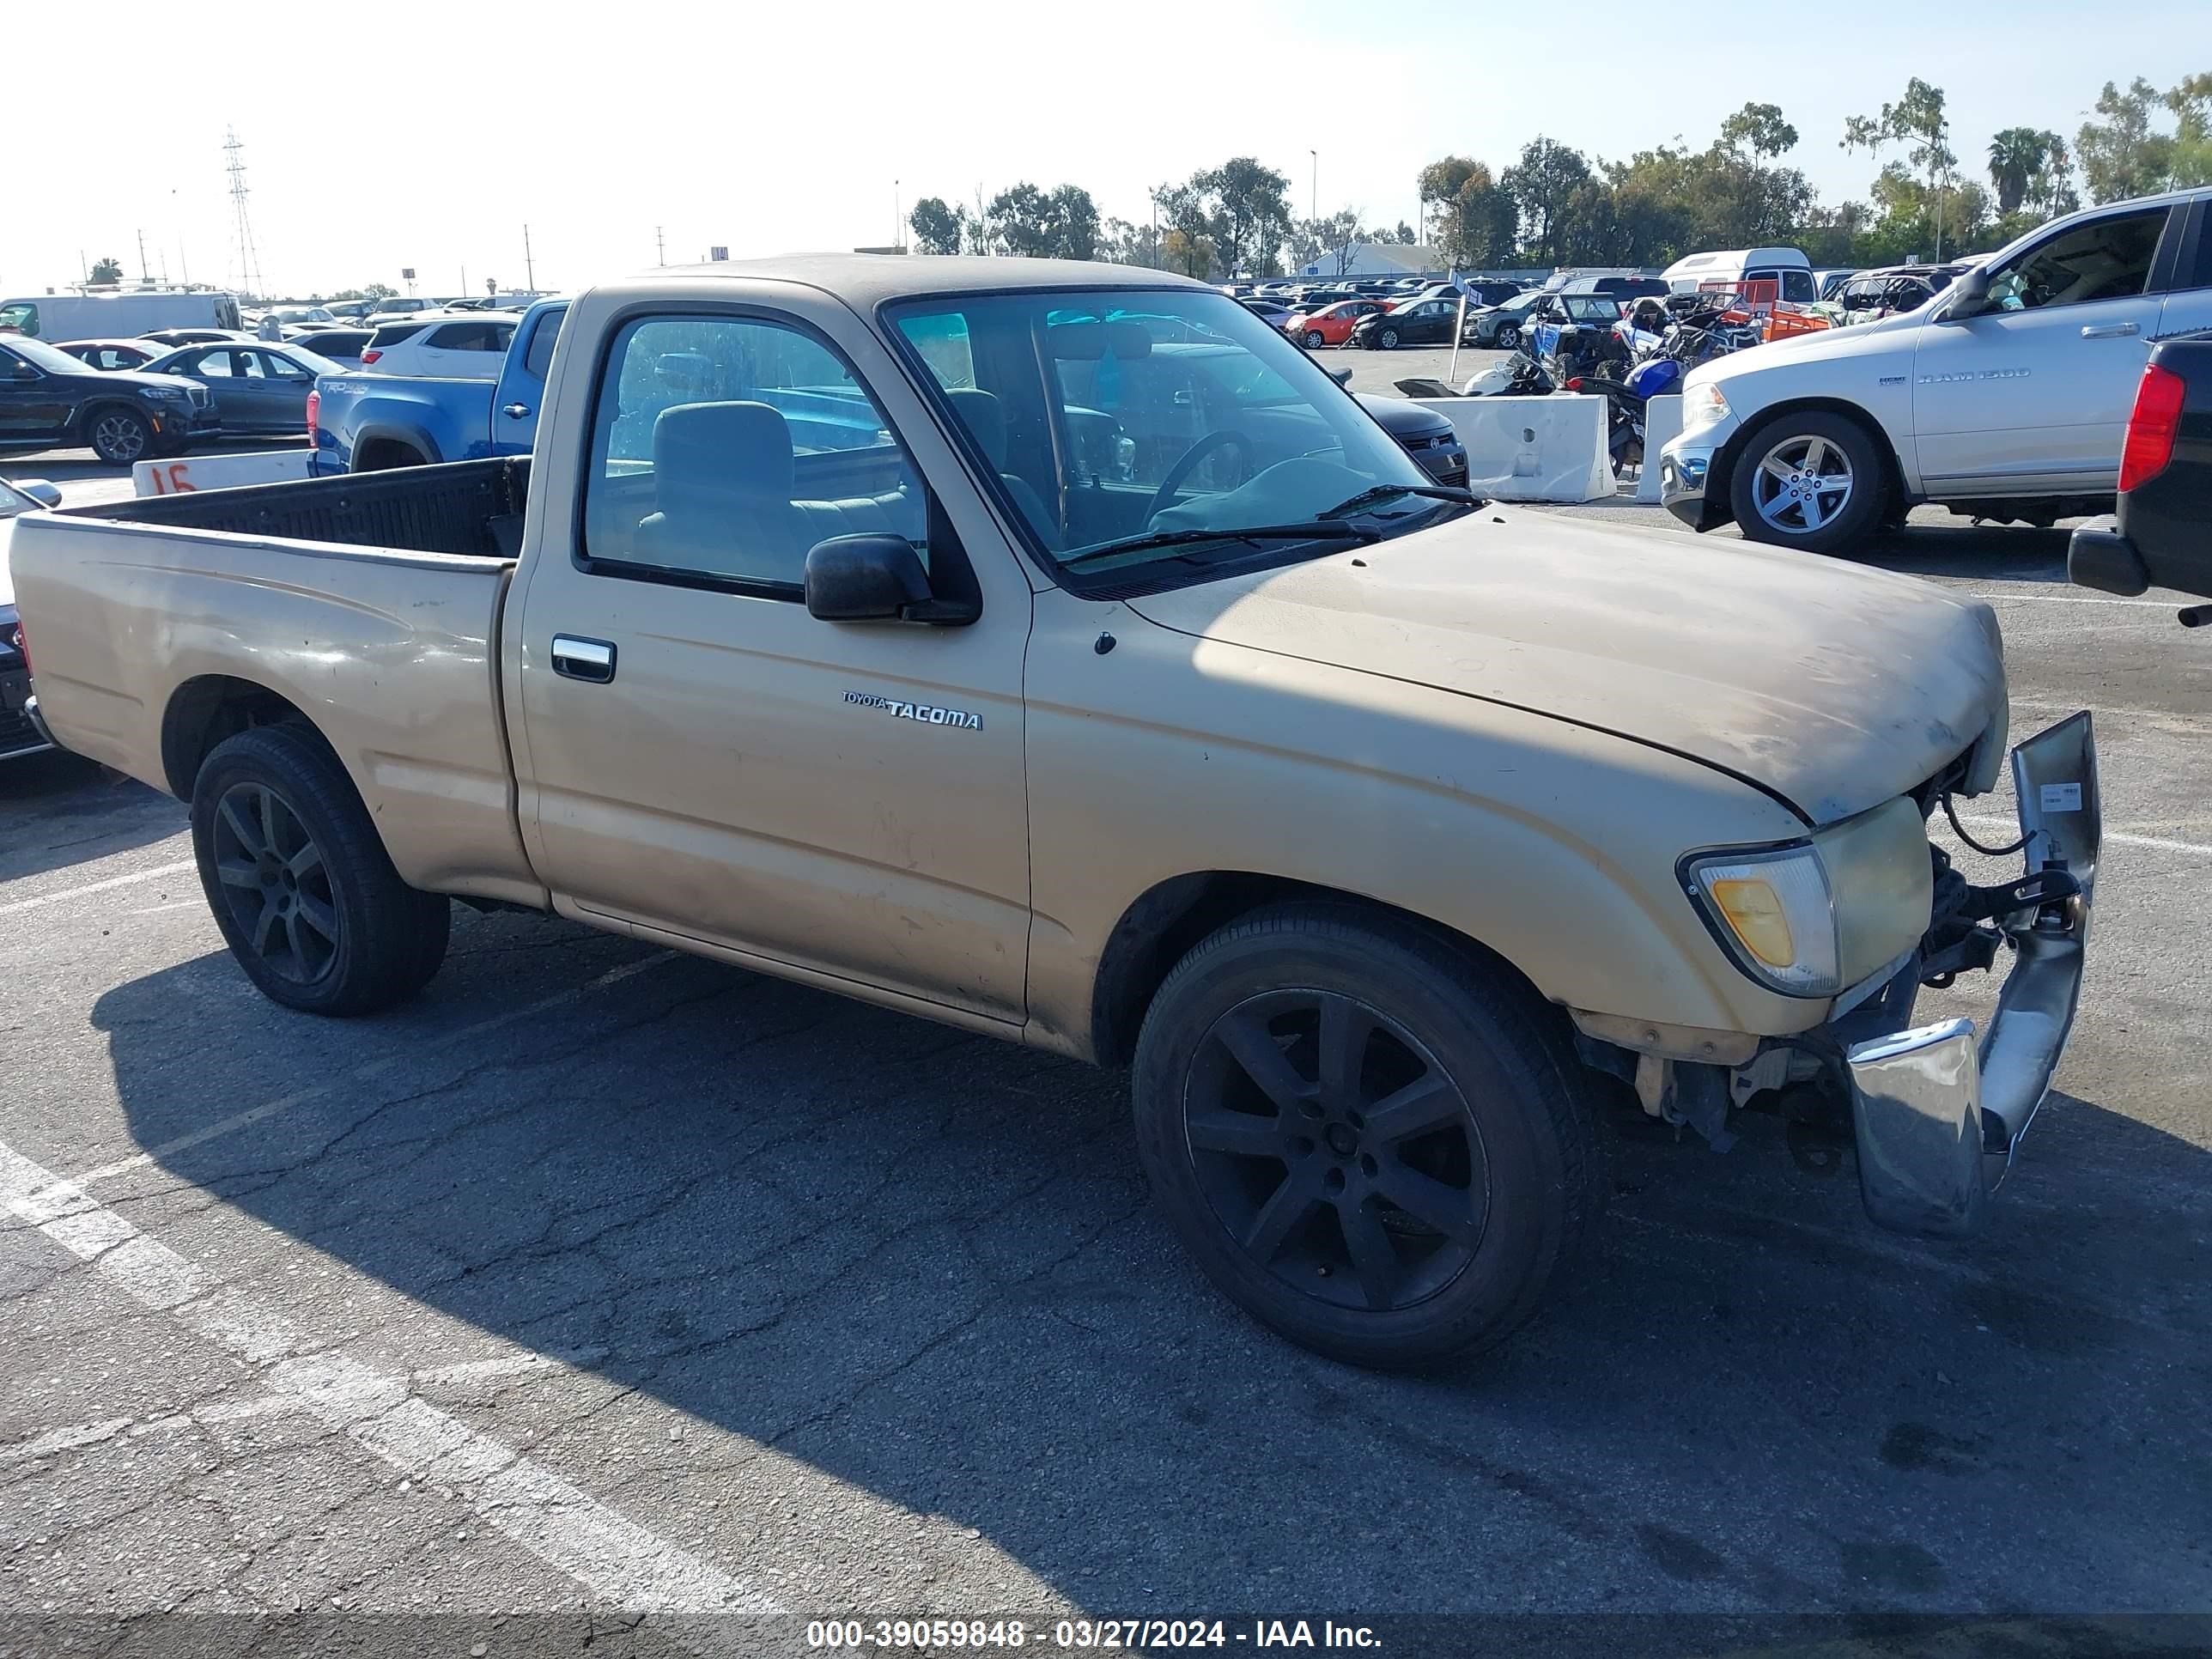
(2108, 331)
(590, 660)
(516, 411)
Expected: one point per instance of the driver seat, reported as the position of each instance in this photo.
(980, 411)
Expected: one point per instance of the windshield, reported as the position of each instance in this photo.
(1113, 416)
(46, 357)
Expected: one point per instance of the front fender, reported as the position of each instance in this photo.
(1172, 756)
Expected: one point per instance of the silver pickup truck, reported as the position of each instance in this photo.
(868, 620)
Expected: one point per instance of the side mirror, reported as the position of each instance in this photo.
(1970, 295)
(1341, 376)
(874, 578)
(39, 490)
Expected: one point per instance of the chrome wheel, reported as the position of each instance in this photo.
(1388, 339)
(1508, 338)
(1801, 484)
(275, 883)
(1335, 1149)
(1313, 341)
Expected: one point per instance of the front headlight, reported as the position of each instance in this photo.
(1774, 912)
(1702, 406)
(168, 393)
(1817, 917)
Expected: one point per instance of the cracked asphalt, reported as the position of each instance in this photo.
(606, 1297)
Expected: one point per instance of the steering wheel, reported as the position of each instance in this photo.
(1186, 464)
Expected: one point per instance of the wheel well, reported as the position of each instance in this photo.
(91, 412)
(1160, 928)
(1720, 487)
(203, 712)
(377, 454)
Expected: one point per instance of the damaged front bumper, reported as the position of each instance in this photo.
(1937, 1117)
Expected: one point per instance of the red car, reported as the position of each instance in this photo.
(1331, 324)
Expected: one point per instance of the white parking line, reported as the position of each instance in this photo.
(109, 1428)
(253, 1115)
(611, 1555)
(154, 873)
(519, 1363)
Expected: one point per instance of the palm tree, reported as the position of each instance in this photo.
(2017, 156)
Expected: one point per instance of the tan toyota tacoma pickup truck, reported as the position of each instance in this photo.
(1056, 651)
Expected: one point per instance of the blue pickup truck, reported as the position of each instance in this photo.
(363, 421)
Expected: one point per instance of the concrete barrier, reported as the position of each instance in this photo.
(218, 472)
(1532, 449)
(1662, 424)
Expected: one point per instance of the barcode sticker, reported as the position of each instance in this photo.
(2062, 796)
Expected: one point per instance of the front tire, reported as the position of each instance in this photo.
(1388, 339)
(299, 882)
(1313, 341)
(119, 435)
(1508, 338)
(1812, 480)
(1372, 1143)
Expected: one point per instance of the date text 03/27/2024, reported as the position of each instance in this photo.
(1107, 1635)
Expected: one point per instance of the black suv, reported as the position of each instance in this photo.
(49, 400)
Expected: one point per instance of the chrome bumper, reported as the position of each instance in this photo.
(1683, 467)
(1936, 1121)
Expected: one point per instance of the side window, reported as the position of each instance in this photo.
(22, 317)
(2104, 259)
(253, 365)
(726, 447)
(1797, 287)
(212, 365)
(2200, 276)
(283, 368)
(538, 362)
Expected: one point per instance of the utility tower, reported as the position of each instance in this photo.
(247, 264)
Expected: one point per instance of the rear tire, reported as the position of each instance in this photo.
(1372, 1142)
(300, 883)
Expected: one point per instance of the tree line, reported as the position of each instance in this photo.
(1554, 204)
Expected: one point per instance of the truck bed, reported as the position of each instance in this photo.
(472, 508)
(371, 604)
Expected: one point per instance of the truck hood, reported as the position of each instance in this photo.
(1833, 687)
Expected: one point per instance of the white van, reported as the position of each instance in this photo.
(117, 313)
(1787, 267)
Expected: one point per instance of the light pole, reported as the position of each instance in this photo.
(1313, 202)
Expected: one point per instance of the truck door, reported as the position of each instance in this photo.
(702, 757)
(2033, 394)
(522, 382)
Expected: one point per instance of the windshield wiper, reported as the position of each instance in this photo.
(1325, 528)
(1385, 492)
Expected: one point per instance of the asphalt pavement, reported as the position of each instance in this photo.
(612, 1298)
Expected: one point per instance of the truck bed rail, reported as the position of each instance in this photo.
(472, 508)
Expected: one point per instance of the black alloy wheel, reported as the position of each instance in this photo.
(1336, 1150)
(275, 885)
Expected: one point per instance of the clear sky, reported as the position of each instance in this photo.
(381, 136)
